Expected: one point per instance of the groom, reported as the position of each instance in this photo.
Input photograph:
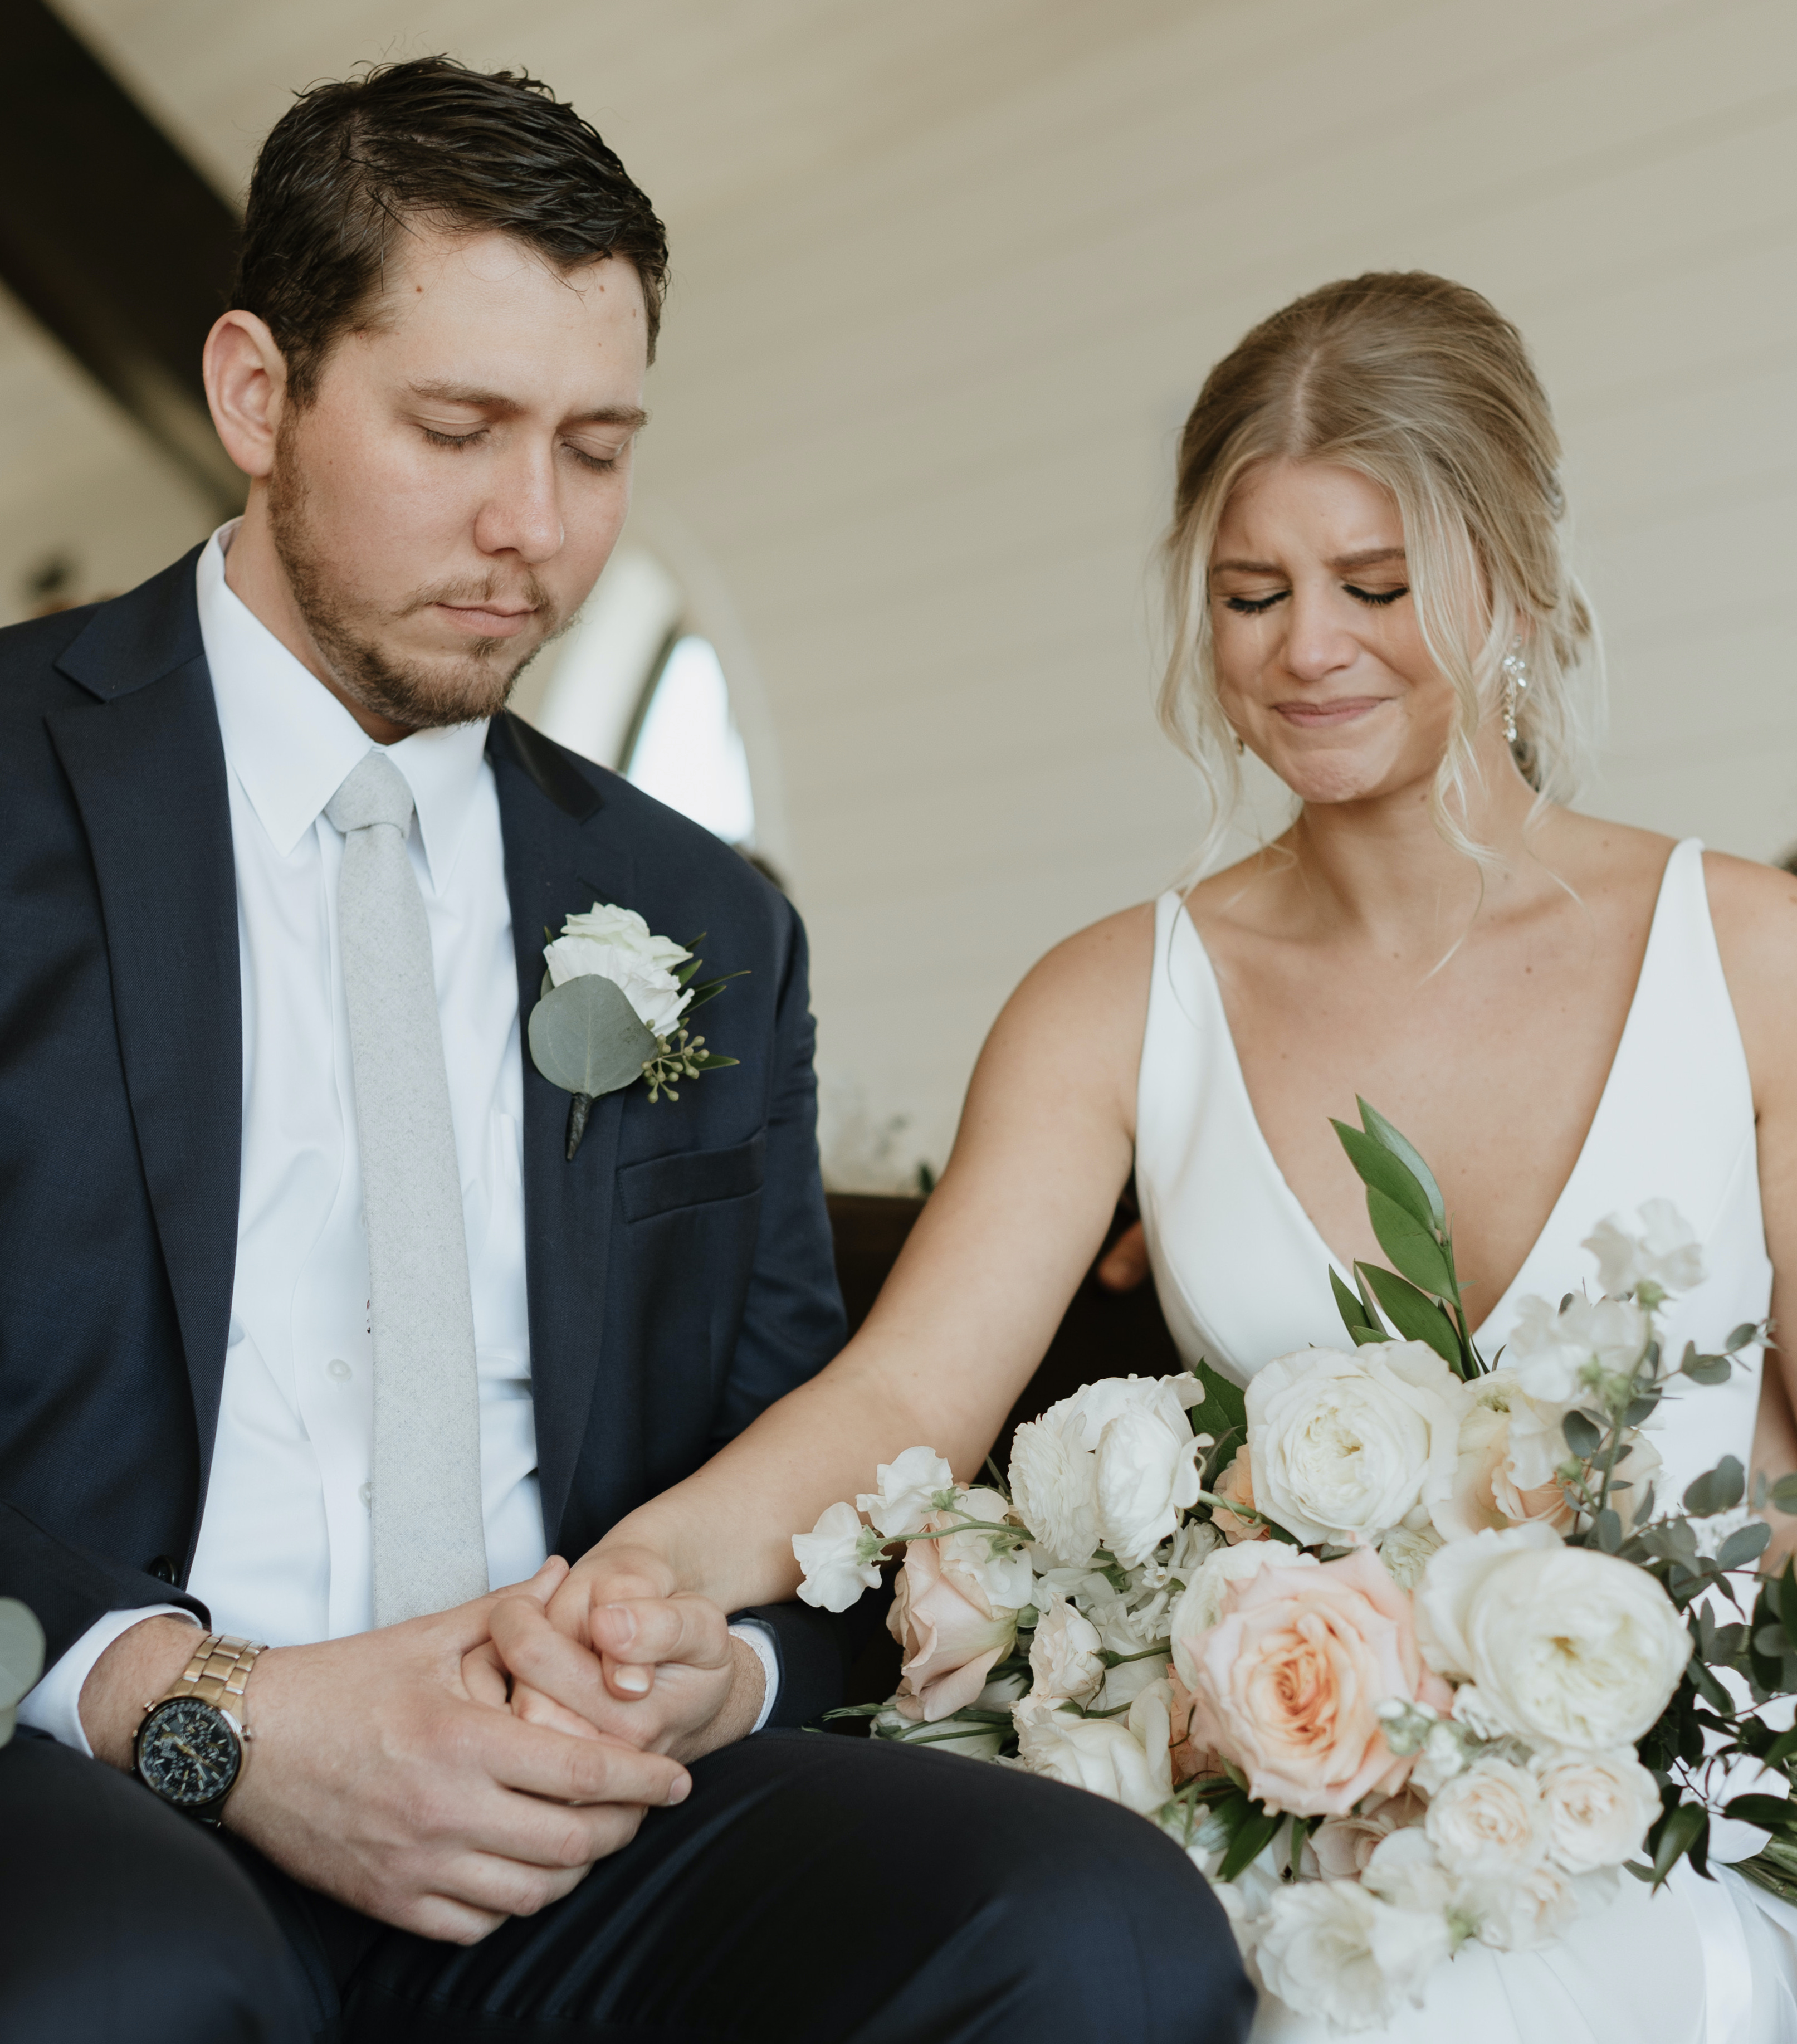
(311, 1329)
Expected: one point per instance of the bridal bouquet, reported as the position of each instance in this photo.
(1400, 1647)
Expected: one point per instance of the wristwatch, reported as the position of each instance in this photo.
(190, 1744)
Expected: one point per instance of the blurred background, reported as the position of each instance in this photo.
(946, 277)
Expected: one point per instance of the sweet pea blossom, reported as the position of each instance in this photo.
(1666, 1252)
(832, 1556)
(908, 1489)
(1557, 1357)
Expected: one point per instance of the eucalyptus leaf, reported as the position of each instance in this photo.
(1410, 1244)
(1745, 1544)
(585, 1037)
(1415, 1317)
(1719, 1489)
(1379, 1169)
(1382, 1133)
(1582, 1436)
(1739, 1337)
(1784, 1494)
(1706, 1368)
(1609, 1531)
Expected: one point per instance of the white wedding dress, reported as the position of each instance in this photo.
(1243, 1277)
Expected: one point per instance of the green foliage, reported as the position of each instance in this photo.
(21, 1659)
(585, 1037)
(1415, 1317)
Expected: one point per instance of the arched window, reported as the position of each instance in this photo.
(636, 687)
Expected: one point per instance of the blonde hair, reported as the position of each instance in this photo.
(1421, 386)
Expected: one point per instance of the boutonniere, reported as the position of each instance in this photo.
(614, 1009)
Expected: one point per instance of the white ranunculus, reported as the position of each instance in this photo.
(1094, 1406)
(1488, 1821)
(1334, 1949)
(1112, 1757)
(1147, 1475)
(1054, 1486)
(1346, 1447)
(1599, 1807)
(658, 997)
(1665, 1251)
(1003, 1572)
(1556, 1356)
(835, 1575)
(1064, 1653)
(1199, 1606)
(1563, 1646)
(908, 1489)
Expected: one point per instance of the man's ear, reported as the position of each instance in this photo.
(246, 378)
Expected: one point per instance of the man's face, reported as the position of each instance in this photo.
(444, 504)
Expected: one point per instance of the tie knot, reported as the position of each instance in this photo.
(374, 791)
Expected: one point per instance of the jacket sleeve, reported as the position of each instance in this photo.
(69, 1588)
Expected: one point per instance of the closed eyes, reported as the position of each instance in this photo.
(1258, 606)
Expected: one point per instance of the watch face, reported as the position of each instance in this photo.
(188, 1752)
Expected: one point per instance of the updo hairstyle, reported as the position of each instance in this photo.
(1421, 386)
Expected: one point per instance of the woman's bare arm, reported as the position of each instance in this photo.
(1755, 912)
(1045, 1146)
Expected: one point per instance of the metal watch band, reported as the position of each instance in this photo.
(219, 1668)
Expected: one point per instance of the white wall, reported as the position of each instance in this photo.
(947, 277)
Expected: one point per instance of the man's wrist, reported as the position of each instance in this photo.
(140, 1667)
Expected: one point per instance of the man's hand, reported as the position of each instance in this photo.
(620, 1654)
(372, 1773)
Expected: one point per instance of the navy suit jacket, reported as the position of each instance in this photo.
(679, 1270)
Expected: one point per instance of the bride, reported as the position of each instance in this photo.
(1566, 1016)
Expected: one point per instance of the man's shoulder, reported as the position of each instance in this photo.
(99, 649)
(29, 653)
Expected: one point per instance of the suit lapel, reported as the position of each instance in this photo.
(146, 765)
(559, 859)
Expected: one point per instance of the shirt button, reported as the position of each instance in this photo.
(366, 1492)
(336, 1367)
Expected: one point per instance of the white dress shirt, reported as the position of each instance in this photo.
(284, 1553)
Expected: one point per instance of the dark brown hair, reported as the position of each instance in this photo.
(353, 164)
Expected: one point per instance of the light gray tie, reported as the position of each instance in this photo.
(430, 1547)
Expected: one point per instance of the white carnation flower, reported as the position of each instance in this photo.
(1563, 1646)
(1599, 1807)
(1346, 1447)
(1665, 1252)
(908, 1490)
(830, 1555)
(1054, 1486)
(1064, 1653)
(1334, 1949)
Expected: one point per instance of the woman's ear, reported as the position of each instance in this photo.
(246, 378)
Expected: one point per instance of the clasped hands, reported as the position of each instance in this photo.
(446, 1773)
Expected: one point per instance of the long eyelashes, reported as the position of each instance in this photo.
(1258, 606)
(603, 464)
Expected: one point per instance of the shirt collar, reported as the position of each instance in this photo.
(291, 743)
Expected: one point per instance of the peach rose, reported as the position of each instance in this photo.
(1237, 1484)
(952, 1634)
(1290, 1679)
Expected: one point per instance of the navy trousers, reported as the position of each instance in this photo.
(814, 1889)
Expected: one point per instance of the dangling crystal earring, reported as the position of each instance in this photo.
(1515, 681)
(1240, 748)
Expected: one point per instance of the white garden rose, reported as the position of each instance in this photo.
(908, 1489)
(1064, 1653)
(1334, 1949)
(1488, 1821)
(658, 997)
(1147, 1475)
(1599, 1807)
(1561, 1646)
(831, 1556)
(1559, 1358)
(1665, 1252)
(1200, 1605)
(1126, 1760)
(1054, 1486)
(1346, 1447)
(625, 931)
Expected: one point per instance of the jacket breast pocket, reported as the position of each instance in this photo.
(692, 1179)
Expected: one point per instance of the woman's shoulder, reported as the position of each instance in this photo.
(1754, 909)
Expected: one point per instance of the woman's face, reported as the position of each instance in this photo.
(1320, 662)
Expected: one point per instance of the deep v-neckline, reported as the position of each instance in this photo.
(1299, 1213)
